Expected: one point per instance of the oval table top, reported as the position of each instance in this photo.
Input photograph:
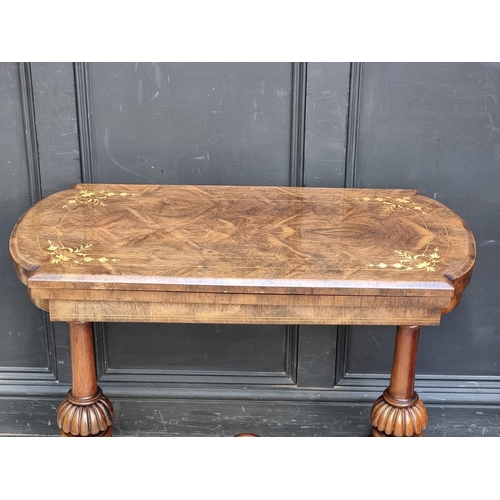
(244, 239)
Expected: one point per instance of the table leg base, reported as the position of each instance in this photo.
(86, 417)
(106, 433)
(391, 417)
(377, 433)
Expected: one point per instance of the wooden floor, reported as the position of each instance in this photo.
(36, 417)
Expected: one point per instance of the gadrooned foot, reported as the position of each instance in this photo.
(85, 417)
(391, 417)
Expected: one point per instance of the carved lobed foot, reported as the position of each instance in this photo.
(391, 417)
(82, 417)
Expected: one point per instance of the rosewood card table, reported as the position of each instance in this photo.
(232, 254)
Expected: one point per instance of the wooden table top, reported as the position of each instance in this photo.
(238, 239)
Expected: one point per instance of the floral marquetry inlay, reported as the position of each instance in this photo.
(411, 262)
(93, 197)
(391, 203)
(430, 255)
(77, 255)
(61, 253)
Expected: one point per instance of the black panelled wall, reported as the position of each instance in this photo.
(430, 126)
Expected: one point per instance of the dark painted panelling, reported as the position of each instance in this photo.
(370, 349)
(56, 125)
(204, 351)
(316, 356)
(192, 123)
(24, 343)
(436, 127)
(325, 138)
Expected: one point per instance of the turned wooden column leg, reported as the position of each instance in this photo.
(399, 411)
(86, 411)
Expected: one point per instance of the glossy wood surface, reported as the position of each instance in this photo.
(237, 254)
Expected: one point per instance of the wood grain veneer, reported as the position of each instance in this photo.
(241, 241)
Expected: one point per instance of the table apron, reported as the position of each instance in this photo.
(253, 309)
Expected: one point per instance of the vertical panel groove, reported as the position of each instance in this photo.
(352, 134)
(291, 352)
(82, 93)
(30, 136)
(297, 146)
(36, 192)
(298, 123)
